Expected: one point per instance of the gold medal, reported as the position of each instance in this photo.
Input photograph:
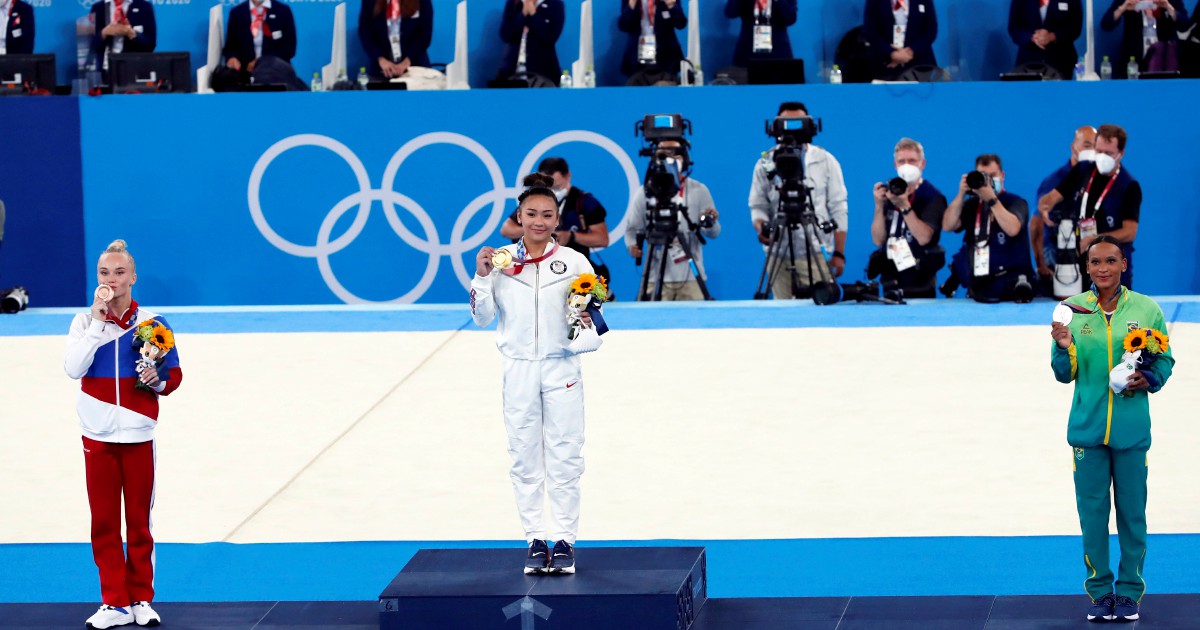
(502, 259)
(104, 293)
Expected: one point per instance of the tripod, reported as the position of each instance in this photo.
(795, 211)
(659, 236)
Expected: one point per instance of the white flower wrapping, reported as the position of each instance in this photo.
(1118, 377)
(582, 339)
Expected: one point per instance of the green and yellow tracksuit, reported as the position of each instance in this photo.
(1110, 434)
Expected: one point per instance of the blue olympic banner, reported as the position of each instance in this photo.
(40, 185)
(384, 197)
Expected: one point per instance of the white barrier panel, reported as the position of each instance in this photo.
(587, 57)
(216, 41)
(456, 71)
(337, 56)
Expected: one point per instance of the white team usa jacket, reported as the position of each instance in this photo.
(531, 305)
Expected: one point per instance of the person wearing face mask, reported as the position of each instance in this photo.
(122, 26)
(1109, 432)
(1150, 34)
(526, 289)
(907, 226)
(581, 217)
(901, 33)
(1045, 32)
(530, 30)
(695, 226)
(259, 31)
(1043, 238)
(1102, 198)
(16, 27)
(118, 408)
(994, 260)
(652, 46)
(764, 30)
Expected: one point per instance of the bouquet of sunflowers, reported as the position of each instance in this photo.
(153, 341)
(1142, 346)
(585, 288)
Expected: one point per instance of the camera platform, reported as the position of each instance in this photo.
(648, 588)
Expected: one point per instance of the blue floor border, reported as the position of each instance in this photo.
(358, 571)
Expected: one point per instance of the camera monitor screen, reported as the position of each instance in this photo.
(151, 72)
(35, 70)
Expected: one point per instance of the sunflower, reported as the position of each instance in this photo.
(162, 337)
(1164, 342)
(583, 284)
(1135, 340)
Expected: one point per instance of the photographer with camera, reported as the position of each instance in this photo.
(1043, 238)
(907, 226)
(1101, 197)
(994, 260)
(822, 175)
(673, 214)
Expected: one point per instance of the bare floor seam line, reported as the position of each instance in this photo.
(340, 436)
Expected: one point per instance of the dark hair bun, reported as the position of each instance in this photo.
(538, 180)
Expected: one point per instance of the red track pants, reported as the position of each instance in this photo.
(114, 470)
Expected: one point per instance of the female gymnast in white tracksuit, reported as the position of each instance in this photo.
(543, 387)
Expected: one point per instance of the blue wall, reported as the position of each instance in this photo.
(973, 40)
(197, 242)
(41, 190)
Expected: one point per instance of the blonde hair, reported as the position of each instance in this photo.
(118, 247)
(909, 143)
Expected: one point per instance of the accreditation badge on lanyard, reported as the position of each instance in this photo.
(1087, 225)
(394, 39)
(762, 27)
(983, 229)
(898, 250)
(648, 43)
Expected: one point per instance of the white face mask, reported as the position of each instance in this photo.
(1087, 155)
(560, 194)
(997, 184)
(909, 173)
(1105, 163)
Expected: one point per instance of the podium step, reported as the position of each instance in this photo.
(643, 588)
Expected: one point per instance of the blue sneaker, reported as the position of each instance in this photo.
(563, 558)
(1126, 609)
(538, 558)
(1102, 609)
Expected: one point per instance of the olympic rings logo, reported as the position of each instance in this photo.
(457, 245)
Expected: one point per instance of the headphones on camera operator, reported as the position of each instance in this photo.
(666, 175)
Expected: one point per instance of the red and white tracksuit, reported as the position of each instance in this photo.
(118, 423)
(543, 386)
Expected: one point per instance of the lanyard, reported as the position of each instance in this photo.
(762, 8)
(898, 221)
(1099, 200)
(987, 227)
(649, 9)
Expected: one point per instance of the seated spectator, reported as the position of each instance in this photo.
(1150, 34)
(993, 263)
(1189, 45)
(763, 34)
(395, 34)
(258, 29)
(901, 33)
(122, 26)
(16, 23)
(907, 227)
(1043, 238)
(1045, 32)
(530, 30)
(652, 47)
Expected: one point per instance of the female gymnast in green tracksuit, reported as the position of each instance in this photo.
(1109, 433)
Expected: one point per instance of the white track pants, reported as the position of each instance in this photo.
(543, 414)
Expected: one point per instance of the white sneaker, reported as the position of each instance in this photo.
(109, 617)
(144, 615)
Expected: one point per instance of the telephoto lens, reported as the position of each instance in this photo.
(976, 180)
(897, 186)
(13, 300)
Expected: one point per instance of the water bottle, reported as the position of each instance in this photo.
(316, 84)
(699, 77)
(341, 76)
(565, 80)
(589, 78)
(363, 79)
(835, 75)
(1105, 69)
(1079, 69)
(1131, 70)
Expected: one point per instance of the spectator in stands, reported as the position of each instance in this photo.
(1045, 32)
(1043, 238)
(907, 226)
(122, 26)
(679, 282)
(1189, 45)
(1104, 197)
(395, 34)
(901, 33)
(581, 217)
(994, 260)
(823, 174)
(651, 24)
(259, 29)
(1150, 35)
(764, 29)
(530, 30)
(16, 23)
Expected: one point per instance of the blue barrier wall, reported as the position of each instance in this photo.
(41, 189)
(349, 211)
(972, 41)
